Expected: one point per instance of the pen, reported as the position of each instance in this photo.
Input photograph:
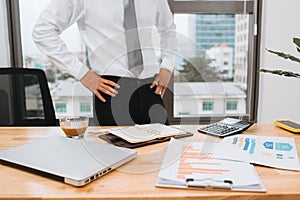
(187, 134)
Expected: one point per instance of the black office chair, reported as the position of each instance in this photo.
(25, 98)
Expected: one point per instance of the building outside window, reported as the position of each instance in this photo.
(212, 30)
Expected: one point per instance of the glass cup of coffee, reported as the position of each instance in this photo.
(74, 127)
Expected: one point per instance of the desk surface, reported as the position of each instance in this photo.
(136, 179)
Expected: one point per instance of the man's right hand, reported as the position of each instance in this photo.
(95, 83)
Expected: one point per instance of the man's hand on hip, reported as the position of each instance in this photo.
(161, 81)
(96, 84)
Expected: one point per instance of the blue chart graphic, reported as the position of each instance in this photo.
(278, 152)
(268, 145)
(250, 145)
(278, 146)
(283, 146)
(247, 142)
(253, 144)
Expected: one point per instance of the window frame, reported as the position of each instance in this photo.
(14, 33)
(177, 6)
(4, 35)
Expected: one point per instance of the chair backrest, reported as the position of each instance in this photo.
(25, 98)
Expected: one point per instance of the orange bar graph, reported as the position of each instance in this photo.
(190, 156)
(195, 155)
(191, 153)
(202, 169)
(201, 163)
(241, 143)
(189, 172)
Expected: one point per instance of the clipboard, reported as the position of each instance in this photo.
(205, 173)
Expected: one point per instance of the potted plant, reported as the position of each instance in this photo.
(279, 72)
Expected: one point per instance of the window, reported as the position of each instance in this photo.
(207, 106)
(85, 107)
(217, 49)
(227, 55)
(61, 107)
(231, 105)
(218, 52)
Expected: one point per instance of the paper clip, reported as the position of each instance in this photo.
(209, 183)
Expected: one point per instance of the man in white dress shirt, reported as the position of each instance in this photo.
(121, 96)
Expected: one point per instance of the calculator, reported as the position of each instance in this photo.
(225, 127)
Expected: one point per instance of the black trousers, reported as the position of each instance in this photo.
(136, 103)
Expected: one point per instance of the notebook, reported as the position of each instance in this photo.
(148, 132)
(75, 162)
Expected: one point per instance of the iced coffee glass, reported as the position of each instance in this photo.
(74, 127)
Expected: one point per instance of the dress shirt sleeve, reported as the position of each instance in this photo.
(167, 30)
(58, 16)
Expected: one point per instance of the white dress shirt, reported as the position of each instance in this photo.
(100, 23)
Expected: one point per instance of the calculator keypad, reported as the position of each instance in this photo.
(225, 127)
(220, 130)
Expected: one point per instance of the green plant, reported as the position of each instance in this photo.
(279, 72)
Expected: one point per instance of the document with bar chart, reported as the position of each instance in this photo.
(277, 152)
(187, 165)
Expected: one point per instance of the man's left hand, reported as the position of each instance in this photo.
(161, 81)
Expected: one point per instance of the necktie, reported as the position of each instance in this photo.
(134, 53)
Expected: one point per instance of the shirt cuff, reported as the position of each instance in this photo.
(79, 71)
(168, 64)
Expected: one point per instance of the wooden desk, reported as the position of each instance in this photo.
(136, 179)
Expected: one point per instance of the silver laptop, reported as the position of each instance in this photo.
(75, 162)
